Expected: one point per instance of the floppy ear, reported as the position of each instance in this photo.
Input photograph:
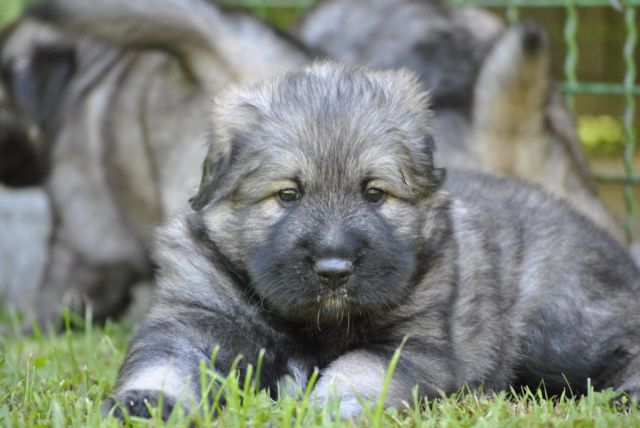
(417, 116)
(434, 176)
(214, 168)
(227, 163)
(234, 116)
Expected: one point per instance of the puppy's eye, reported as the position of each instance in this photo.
(288, 195)
(373, 195)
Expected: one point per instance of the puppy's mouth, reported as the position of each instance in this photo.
(336, 299)
(334, 307)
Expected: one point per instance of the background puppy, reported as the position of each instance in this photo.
(107, 102)
(322, 234)
(491, 88)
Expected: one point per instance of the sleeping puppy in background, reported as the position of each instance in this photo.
(323, 234)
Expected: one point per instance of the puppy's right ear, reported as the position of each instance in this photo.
(215, 167)
(238, 115)
(234, 118)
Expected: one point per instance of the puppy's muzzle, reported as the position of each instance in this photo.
(333, 272)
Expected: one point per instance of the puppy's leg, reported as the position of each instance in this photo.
(162, 365)
(164, 357)
(135, 403)
(629, 378)
(359, 377)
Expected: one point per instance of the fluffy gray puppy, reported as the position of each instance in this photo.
(496, 108)
(323, 234)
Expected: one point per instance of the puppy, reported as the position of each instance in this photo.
(323, 234)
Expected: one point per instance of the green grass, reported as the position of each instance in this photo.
(61, 380)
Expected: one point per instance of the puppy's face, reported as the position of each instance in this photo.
(322, 190)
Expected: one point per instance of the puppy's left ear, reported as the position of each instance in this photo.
(415, 115)
(431, 178)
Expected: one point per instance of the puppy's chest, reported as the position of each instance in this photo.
(318, 348)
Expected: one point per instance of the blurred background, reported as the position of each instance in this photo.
(589, 41)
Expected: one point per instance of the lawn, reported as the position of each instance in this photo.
(60, 380)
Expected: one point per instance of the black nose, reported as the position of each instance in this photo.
(334, 271)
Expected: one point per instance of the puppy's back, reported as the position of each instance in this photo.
(540, 218)
(567, 289)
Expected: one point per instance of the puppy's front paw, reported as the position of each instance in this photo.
(350, 406)
(357, 380)
(137, 403)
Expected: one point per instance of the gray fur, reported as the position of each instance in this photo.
(114, 98)
(494, 282)
(444, 45)
(492, 92)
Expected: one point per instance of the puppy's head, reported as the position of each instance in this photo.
(315, 185)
